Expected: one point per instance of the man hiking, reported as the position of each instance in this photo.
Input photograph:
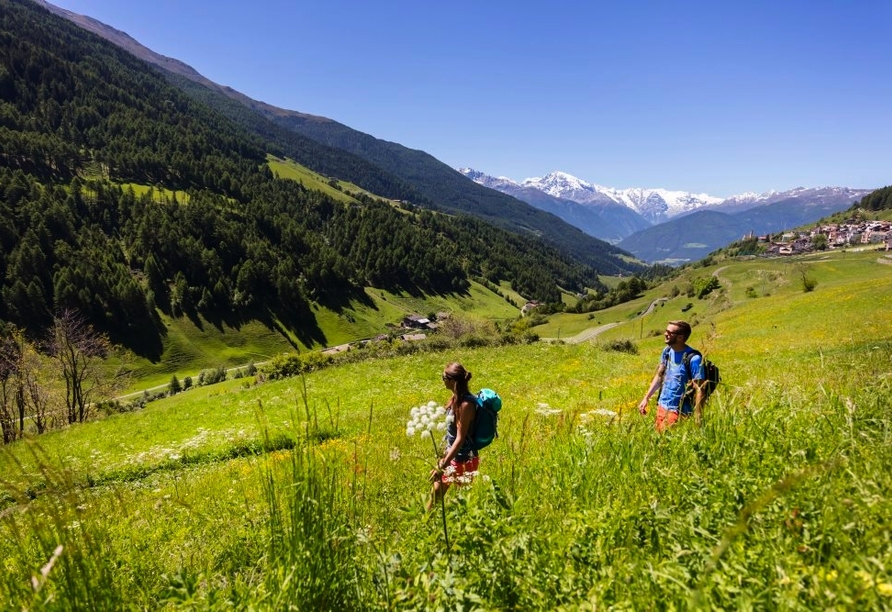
(680, 365)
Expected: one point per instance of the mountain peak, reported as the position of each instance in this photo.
(655, 205)
(559, 183)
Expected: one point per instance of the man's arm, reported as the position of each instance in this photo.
(654, 384)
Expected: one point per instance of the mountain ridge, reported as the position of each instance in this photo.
(604, 218)
(747, 213)
(438, 185)
(433, 184)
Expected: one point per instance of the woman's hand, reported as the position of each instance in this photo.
(437, 472)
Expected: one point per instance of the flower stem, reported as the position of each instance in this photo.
(442, 497)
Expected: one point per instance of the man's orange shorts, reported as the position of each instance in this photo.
(665, 418)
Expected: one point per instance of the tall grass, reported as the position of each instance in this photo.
(780, 501)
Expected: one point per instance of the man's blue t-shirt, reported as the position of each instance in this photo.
(675, 379)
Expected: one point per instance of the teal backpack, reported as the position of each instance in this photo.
(486, 420)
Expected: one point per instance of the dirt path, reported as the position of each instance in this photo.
(593, 332)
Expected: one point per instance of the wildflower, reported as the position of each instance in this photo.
(364, 534)
(395, 454)
(426, 418)
(885, 589)
(865, 577)
(546, 410)
(606, 415)
(465, 479)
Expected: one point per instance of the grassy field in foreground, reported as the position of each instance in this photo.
(308, 493)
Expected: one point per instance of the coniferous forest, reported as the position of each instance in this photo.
(85, 128)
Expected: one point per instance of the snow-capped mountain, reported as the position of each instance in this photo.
(655, 205)
(637, 219)
(599, 216)
(806, 196)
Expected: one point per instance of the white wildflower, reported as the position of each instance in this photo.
(546, 410)
(364, 534)
(424, 419)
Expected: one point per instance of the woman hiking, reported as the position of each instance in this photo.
(459, 463)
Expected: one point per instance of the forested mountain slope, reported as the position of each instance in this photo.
(386, 168)
(83, 124)
(451, 191)
(881, 199)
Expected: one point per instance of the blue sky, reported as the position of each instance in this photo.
(709, 97)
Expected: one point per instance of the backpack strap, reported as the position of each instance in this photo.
(664, 365)
(686, 360)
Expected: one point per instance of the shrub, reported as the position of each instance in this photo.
(622, 346)
(705, 285)
(212, 377)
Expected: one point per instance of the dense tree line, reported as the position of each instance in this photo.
(625, 291)
(450, 191)
(282, 142)
(69, 100)
(881, 199)
(114, 256)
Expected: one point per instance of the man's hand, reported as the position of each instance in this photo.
(698, 401)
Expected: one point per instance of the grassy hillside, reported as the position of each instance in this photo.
(190, 348)
(780, 501)
(219, 240)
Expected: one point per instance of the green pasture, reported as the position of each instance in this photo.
(191, 348)
(289, 169)
(159, 193)
(306, 493)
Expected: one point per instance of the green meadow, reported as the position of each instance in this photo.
(190, 348)
(307, 493)
(337, 189)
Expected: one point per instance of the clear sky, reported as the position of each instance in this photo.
(714, 97)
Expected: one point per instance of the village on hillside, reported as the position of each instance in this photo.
(412, 328)
(830, 236)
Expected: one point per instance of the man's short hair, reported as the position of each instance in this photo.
(684, 328)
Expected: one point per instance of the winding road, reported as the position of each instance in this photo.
(593, 332)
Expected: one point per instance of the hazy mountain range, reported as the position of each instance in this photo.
(659, 225)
